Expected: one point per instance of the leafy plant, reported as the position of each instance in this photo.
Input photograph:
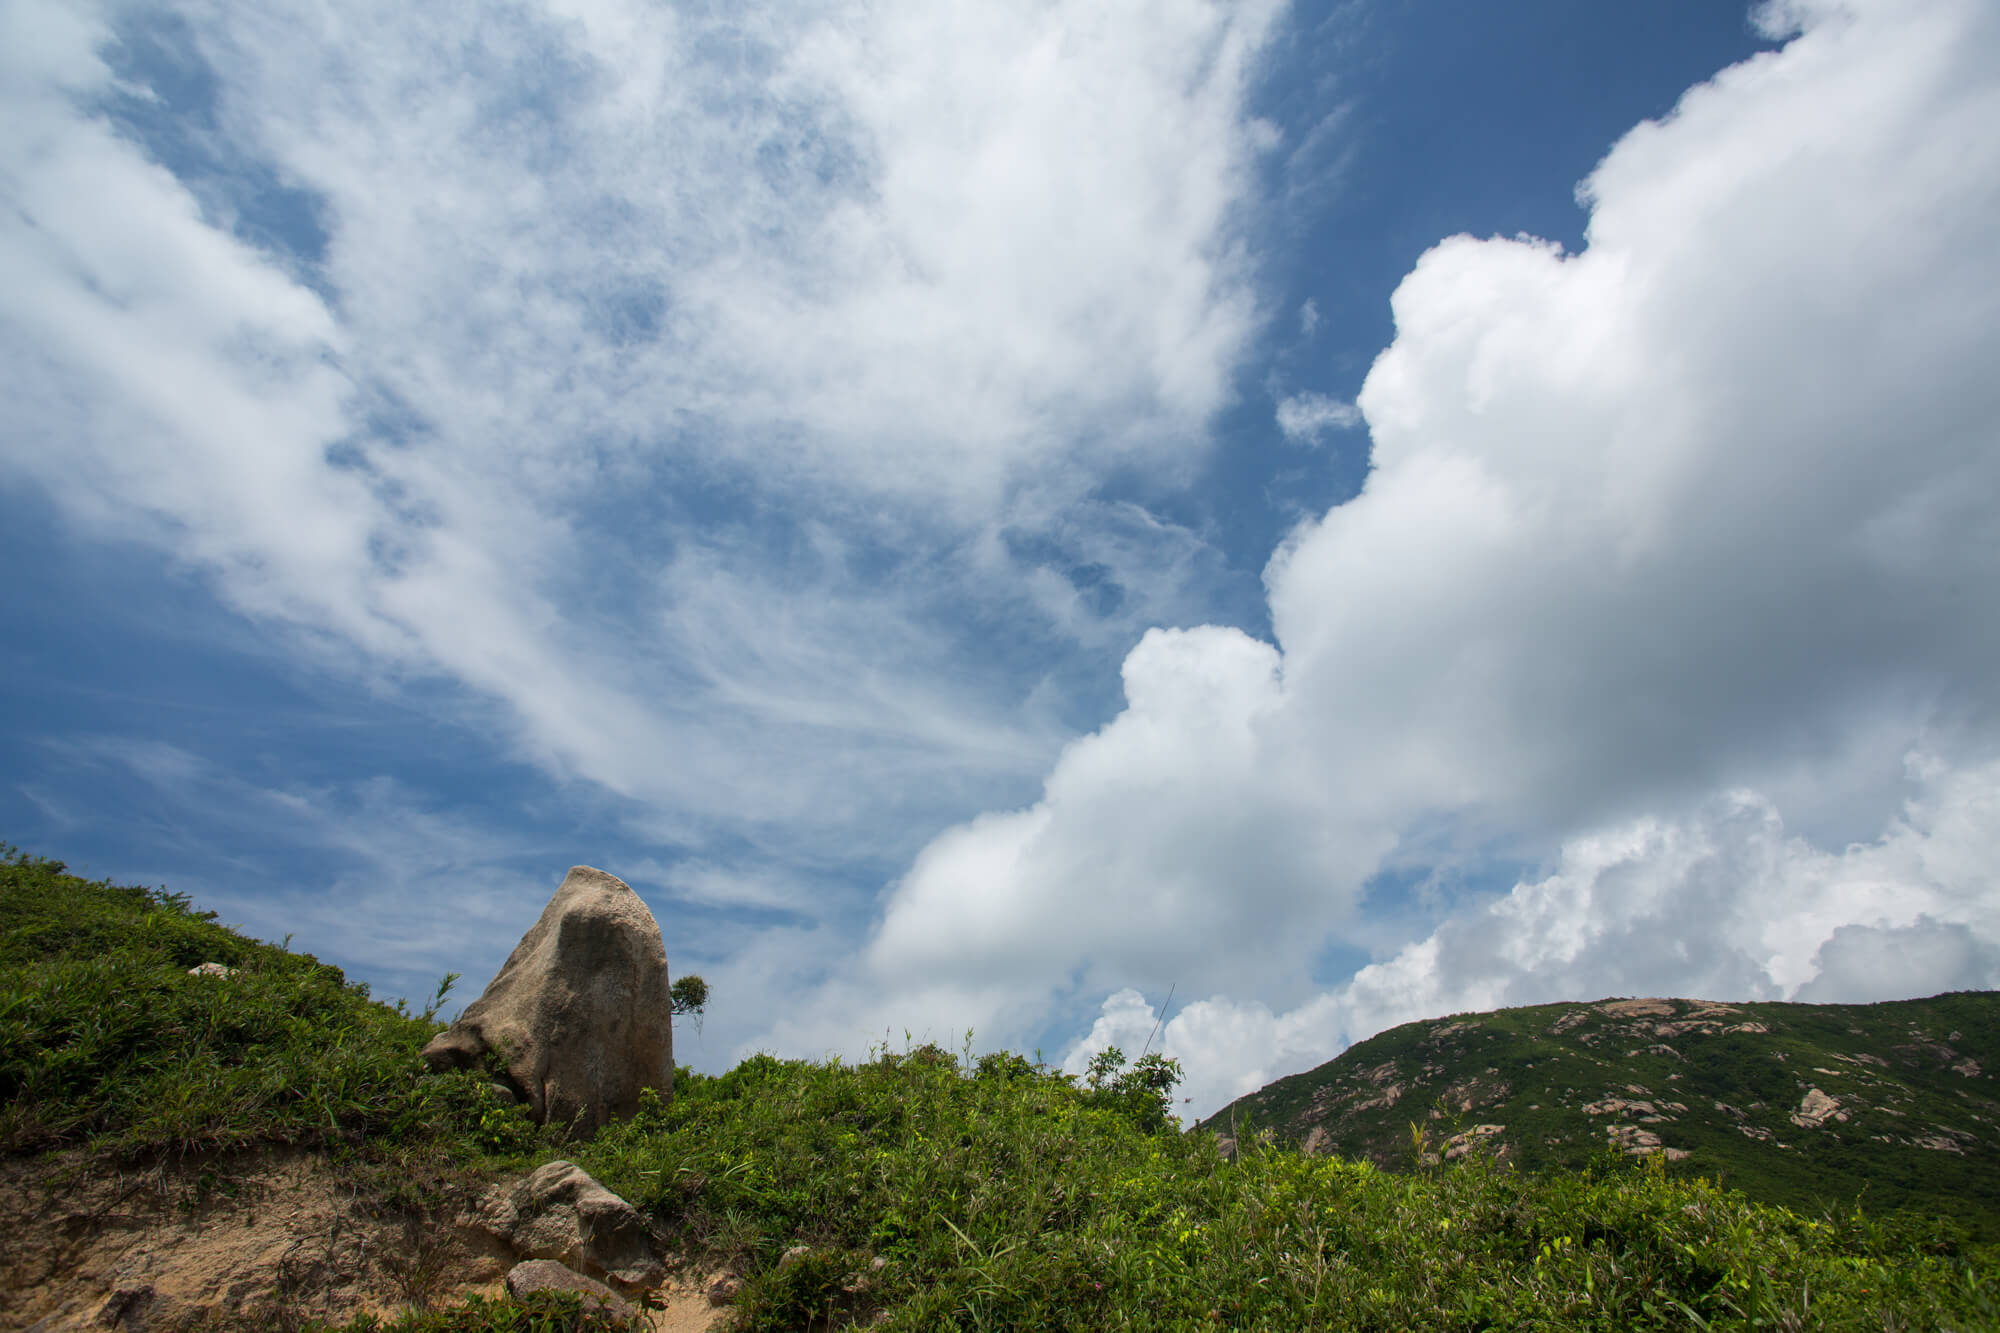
(689, 996)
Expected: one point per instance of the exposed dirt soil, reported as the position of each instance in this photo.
(267, 1239)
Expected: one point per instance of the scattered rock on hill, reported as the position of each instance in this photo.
(1645, 1008)
(1458, 1145)
(548, 1275)
(580, 1013)
(1726, 1085)
(1815, 1108)
(560, 1212)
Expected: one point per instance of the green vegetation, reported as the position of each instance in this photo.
(538, 1312)
(689, 995)
(1915, 1125)
(923, 1190)
(106, 1038)
(1010, 1199)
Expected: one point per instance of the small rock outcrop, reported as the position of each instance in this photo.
(580, 1014)
(560, 1212)
(548, 1275)
(1815, 1108)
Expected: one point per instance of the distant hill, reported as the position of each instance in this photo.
(1895, 1105)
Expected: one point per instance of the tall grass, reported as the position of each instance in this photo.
(105, 1038)
(1002, 1197)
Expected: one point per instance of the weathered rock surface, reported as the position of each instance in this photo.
(548, 1275)
(1458, 1145)
(1815, 1108)
(580, 1014)
(561, 1212)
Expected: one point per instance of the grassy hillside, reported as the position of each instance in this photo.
(919, 1190)
(106, 1039)
(1894, 1106)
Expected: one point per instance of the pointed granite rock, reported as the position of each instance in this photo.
(580, 1015)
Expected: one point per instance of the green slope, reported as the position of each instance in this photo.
(1896, 1105)
(106, 1038)
(911, 1192)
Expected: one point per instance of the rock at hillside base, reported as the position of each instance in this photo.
(580, 1014)
(561, 1213)
(548, 1275)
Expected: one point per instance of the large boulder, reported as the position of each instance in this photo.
(580, 1016)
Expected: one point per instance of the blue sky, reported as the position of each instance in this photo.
(984, 513)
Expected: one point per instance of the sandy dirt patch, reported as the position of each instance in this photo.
(259, 1237)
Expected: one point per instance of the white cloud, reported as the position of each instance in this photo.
(1230, 1048)
(209, 395)
(1165, 846)
(1866, 964)
(1225, 1049)
(1705, 509)
(1305, 417)
(1126, 1021)
(1721, 904)
(1724, 904)
(1636, 524)
(916, 248)
(706, 884)
(617, 302)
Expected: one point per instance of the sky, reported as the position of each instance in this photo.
(1225, 526)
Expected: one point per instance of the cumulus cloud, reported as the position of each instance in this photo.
(1165, 845)
(1865, 964)
(1657, 535)
(1305, 417)
(1725, 903)
(1125, 1021)
(1226, 1048)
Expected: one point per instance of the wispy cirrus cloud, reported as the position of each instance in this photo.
(685, 381)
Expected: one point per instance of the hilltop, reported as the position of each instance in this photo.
(1810, 1106)
(263, 1148)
